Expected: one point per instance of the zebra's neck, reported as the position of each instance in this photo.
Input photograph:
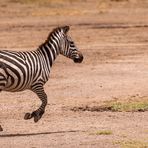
(49, 51)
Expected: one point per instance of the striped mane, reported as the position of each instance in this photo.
(53, 31)
(49, 36)
(64, 28)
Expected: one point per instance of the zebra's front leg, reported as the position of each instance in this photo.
(37, 114)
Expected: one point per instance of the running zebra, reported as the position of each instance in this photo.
(30, 70)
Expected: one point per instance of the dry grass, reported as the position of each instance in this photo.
(131, 144)
(116, 106)
(102, 132)
(130, 106)
(73, 7)
(61, 7)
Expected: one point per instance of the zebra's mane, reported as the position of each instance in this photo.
(53, 31)
(49, 36)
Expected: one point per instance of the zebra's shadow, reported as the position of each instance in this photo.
(36, 134)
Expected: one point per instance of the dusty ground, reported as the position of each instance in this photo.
(113, 36)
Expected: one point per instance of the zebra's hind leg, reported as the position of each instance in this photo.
(39, 90)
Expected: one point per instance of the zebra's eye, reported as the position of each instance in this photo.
(71, 42)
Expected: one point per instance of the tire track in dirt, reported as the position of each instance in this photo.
(36, 134)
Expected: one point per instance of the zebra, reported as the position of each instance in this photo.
(22, 70)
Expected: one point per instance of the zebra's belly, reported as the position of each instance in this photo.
(9, 89)
(15, 89)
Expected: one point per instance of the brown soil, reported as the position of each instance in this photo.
(112, 34)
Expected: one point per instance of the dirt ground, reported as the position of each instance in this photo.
(113, 36)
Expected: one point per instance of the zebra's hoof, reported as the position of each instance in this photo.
(38, 115)
(37, 118)
(27, 116)
(1, 129)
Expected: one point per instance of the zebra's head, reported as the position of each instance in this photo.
(66, 45)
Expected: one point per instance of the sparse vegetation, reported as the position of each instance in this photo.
(131, 144)
(103, 132)
(129, 106)
(56, 7)
(117, 106)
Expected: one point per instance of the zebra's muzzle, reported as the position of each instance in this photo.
(78, 59)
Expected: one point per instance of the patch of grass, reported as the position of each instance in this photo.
(131, 144)
(116, 106)
(103, 132)
(128, 106)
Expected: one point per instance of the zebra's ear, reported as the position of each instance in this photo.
(65, 29)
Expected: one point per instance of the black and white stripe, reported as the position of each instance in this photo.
(30, 70)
